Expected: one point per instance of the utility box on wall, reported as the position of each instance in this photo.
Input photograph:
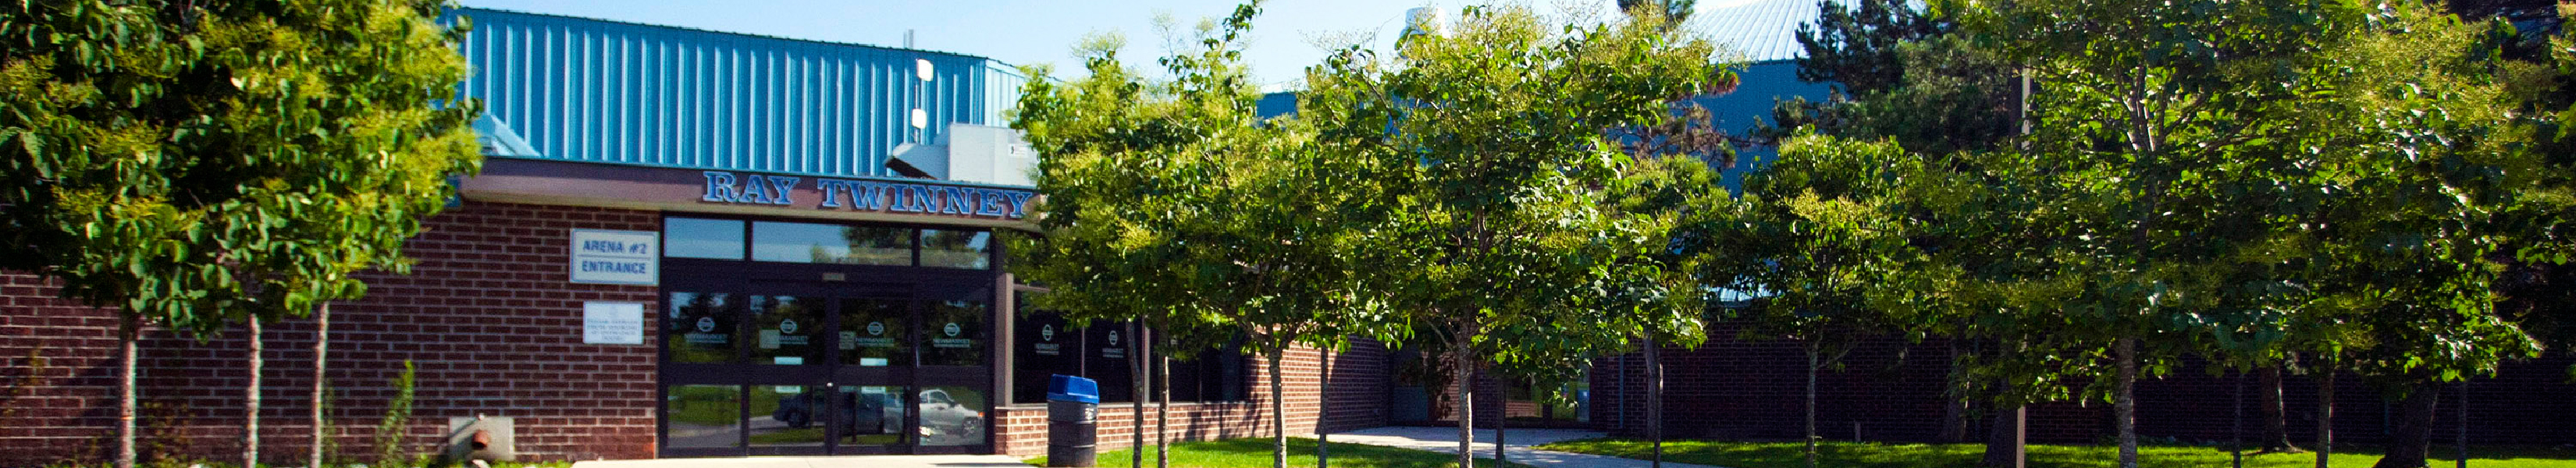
(487, 438)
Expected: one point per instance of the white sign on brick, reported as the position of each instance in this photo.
(616, 257)
(612, 323)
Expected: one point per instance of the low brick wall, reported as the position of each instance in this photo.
(1359, 400)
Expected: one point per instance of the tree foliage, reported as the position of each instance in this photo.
(1503, 187)
(197, 164)
(1173, 202)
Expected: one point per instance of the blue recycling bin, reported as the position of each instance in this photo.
(1073, 421)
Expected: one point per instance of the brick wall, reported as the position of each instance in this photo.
(486, 315)
(1359, 400)
(1754, 389)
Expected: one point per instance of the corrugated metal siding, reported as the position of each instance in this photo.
(602, 91)
(1765, 30)
(1002, 85)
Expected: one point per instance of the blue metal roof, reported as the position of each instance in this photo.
(1764, 30)
(589, 90)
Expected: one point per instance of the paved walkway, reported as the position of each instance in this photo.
(1445, 440)
(866, 461)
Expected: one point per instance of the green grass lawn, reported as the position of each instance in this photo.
(1255, 453)
(1891, 455)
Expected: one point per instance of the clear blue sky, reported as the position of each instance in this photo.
(1027, 31)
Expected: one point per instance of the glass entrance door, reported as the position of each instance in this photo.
(767, 368)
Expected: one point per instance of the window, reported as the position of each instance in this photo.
(700, 328)
(830, 243)
(787, 416)
(1213, 374)
(956, 333)
(702, 416)
(957, 249)
(1048, 346)
(789, 332)
(874, 333)
(719, 239)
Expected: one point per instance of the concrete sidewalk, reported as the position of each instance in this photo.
(1445, 440)
(862, 461)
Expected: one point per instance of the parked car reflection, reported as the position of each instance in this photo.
(944, 420)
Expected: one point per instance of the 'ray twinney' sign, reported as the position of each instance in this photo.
(867, 195)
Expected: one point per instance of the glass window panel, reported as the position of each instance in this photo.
(702, 238)
(786, 416)
(1047, 346)
(872, 415)
(956, 333)
(1108, 346)
(700, 327)
(828, 243)
(787, 330)
(956, 249)
(1186, 377)
(874, 333)
(951, 416)
(702, 416)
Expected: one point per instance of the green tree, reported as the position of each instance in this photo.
(2375, 160)
(1490, 143)
(1820, 231)
(1176, 200)
(1857, 46)
(197, 166)
(1674, 12)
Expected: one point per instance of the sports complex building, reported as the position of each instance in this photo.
(690, 243)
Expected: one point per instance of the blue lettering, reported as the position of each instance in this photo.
(720, 187)
(868, 196)
(989, 202)
(832, 189)
(782, 189)
(1020, 203)
(955, 202)
(595, 266)
(909, 199)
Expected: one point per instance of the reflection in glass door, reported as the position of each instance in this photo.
(787, 338)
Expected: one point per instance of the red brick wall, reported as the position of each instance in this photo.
(1359, 394)
(486, 315)
(1740, 389)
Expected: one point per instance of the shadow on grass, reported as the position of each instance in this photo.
(1256, 453)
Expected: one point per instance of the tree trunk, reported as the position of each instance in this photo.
(2413, 441)
(1954, 410)
(2004, 441)
(1459, 356)
(1324, 411)
(2325, 413)
(2124, 409)
(1162, 408)
(129, 333)
(2276, 424)
(1137, 395)
(321, 354)
(1811, 404)
(1655, 398)
(1278, 411)
(1506, 406)
(2463, 445)
(250, 402)
(2236, 422)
